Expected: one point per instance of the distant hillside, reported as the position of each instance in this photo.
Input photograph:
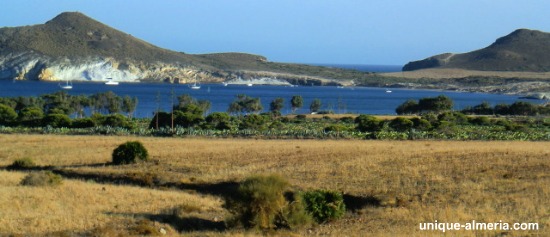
(521, 50)
(73, 46)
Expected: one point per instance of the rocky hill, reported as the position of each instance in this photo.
(522, 50)
(73, 46)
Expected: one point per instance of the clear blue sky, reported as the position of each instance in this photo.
(390, 32)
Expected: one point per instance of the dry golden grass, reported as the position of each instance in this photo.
(415, 181)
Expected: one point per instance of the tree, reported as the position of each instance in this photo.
(188, 104)
(244, 104)
(435, 104)
(57, 120)
(219, 121)
(315, 106)
(296, 102)
(7, 115)
(409, 107)
(57, 102)
(31, 116)
(129, 105)
(277, 105)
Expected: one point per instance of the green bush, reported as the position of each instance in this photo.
(260, 200)
(129, 152)
(83, 123)
(368, 123)
(295, 215)
(7, 115)
(44, 178)
(324, 205)
(335, 128)
(23, 163)
(117, 121)
(57, 120)
(401, 124)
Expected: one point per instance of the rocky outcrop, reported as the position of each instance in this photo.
(30, 66)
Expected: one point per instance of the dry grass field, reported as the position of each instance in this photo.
(390, 186)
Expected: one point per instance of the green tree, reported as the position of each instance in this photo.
(409, 107)
(129, 105)
(59, 102)
(7, 115)
(315, 106)
(296, 102)
(277, 105)
(435, 104)
(31, 116)
(219, 121)
(244, 104)
(57, 120)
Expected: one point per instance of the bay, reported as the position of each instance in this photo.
(358, 100)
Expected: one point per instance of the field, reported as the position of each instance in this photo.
(390, 186)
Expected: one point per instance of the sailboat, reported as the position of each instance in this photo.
(388, 91)
(110, 82)
(67, 86)
(195, 86)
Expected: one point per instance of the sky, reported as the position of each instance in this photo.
(376, 32)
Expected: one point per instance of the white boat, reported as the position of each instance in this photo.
(67, 86)
(388, 91)
(110, 82)
(249, 84)
(225, 83)
(195, 86)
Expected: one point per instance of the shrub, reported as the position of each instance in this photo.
(117, 120)
(336, 128)
(44, 178)
(295, 215)
(401, 124)
(324, 205)
(260, 200)
(253, 121)
(219, 121)
(83, 123)
(482, 121)
(129, 152)
(421, 124)
(7, 115)
(23, 163)
(368, 123)
(57, 120)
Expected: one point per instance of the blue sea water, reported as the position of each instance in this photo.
(362, 100)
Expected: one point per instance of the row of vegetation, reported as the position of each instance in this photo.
(443, 103)
(433, 118)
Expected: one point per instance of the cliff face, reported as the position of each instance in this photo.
(33, 66)
(521, 50)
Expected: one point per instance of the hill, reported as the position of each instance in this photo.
(73, 46)
(522, 50)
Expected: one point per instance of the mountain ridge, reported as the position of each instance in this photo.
(73, 46)
(521, 50)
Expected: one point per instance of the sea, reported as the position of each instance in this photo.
(357, 100)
